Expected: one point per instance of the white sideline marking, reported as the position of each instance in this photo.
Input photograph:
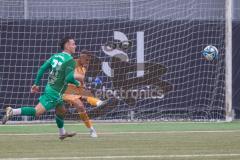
(20, 123)
(115, 133)
(10, 123)
(124, 157)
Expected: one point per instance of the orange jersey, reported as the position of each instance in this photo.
(72, 89)
(80, 69)
(73, 92)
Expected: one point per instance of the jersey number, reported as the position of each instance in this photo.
(55, 69)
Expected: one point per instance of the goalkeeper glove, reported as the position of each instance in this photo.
(97, 82)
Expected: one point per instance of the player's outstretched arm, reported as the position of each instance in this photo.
(70, 79)
(41, 71)
(69, 72)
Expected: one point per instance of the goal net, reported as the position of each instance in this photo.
(147, 54)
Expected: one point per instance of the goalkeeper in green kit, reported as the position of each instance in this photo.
(61, 66)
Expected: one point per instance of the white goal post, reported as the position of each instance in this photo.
(228, 43)
(147, 54)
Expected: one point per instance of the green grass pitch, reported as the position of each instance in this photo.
(133, 141)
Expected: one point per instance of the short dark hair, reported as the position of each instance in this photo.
(85, 51)
(64, 41)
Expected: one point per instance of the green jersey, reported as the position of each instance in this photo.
(61, 67)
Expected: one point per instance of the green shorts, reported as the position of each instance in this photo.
(50, 99)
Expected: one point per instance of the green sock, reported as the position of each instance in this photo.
(59, 121)
(28, 111)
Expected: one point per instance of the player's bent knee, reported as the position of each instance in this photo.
(76, 102)
(83, 97)
(80, 108)
(39, 110)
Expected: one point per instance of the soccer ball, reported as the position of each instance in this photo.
(210, 53)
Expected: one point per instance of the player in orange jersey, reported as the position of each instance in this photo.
(76, 95)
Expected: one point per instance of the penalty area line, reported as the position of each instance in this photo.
(129, 157)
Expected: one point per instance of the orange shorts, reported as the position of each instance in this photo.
(73, 93)
(70, 98)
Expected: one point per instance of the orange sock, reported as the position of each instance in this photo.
(84, 117)
(93, 101)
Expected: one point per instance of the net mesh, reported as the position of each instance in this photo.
(146, 53)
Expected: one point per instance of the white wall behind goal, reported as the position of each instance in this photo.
(123, 9)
